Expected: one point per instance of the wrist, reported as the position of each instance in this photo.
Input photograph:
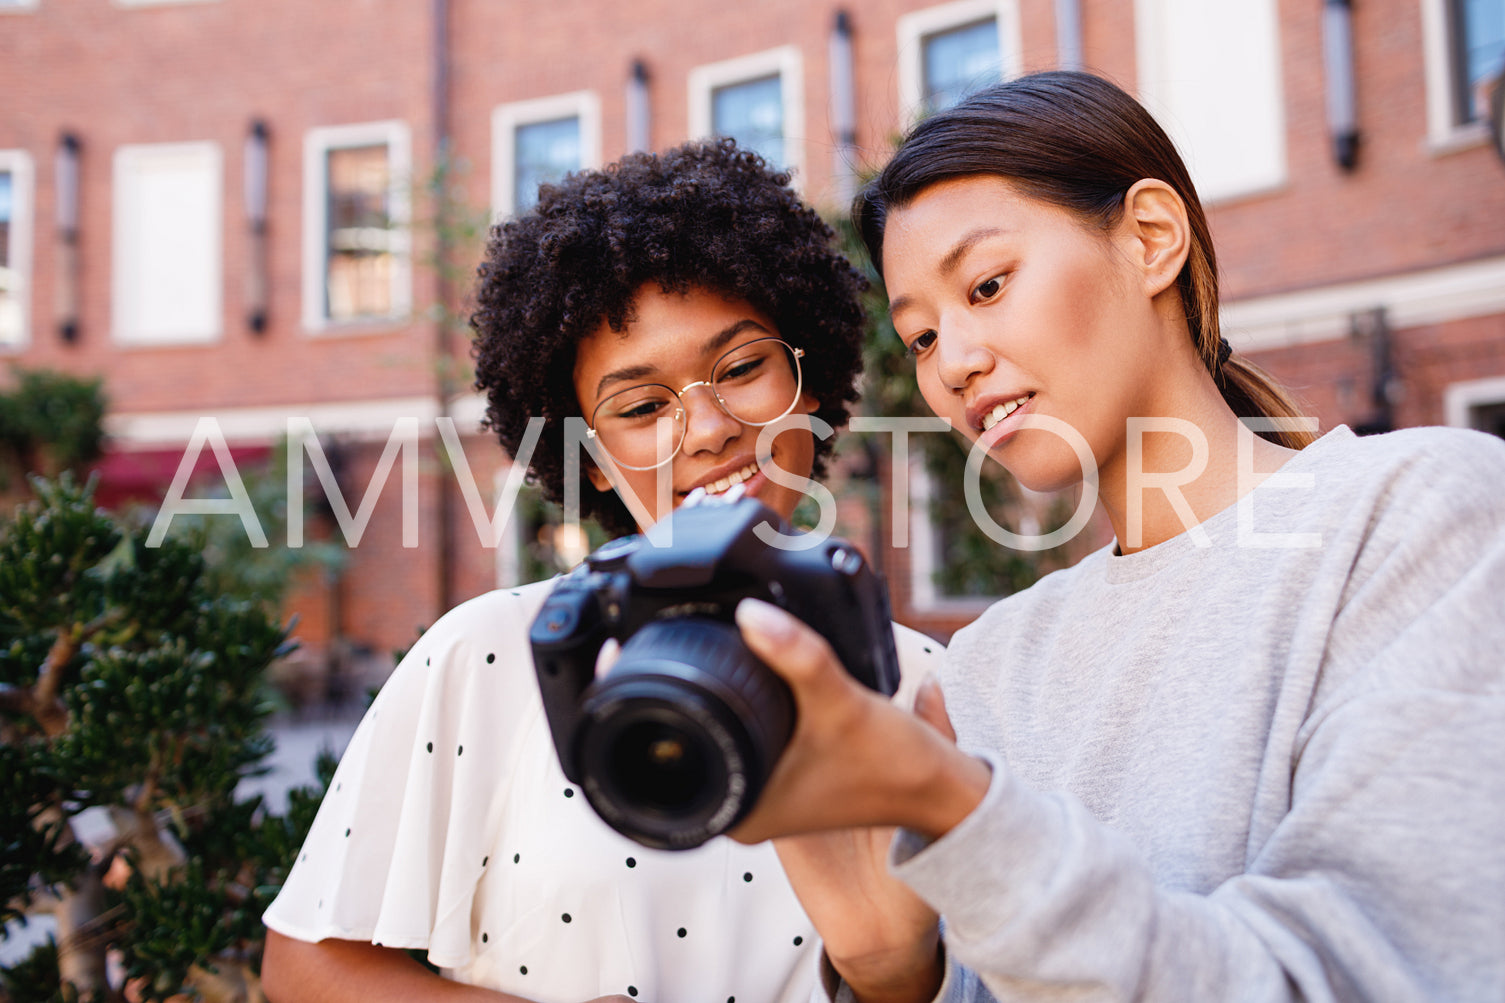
(952, 785)
(914, 977)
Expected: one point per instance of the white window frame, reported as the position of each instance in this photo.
(19, 6)
(585, 106)
(1152, 54)
(1444, 133)
(788, 65)
(126, 282)
(317, 143)
(158, 3)
(23, 207)
(1459, 399)
(915, 27)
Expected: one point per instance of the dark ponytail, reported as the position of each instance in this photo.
(1078, 142)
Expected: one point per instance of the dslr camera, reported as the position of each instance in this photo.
(674, 743)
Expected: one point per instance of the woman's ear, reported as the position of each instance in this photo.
(1155, 218)
(598, 478)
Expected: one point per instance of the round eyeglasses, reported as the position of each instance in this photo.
(643, 427)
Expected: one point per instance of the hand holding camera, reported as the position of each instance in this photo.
(676, 742)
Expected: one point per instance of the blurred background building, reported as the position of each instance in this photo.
(257, 211)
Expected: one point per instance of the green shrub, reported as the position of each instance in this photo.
(132, 688)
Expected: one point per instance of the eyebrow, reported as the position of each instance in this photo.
(715, 341)
(951, 259)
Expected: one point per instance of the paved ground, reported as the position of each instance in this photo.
(298, 744)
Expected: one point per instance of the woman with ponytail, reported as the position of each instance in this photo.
(1252, 750)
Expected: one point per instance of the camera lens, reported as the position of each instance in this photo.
(660, 766)
(676, 743)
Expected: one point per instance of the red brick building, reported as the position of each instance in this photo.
(221, 208)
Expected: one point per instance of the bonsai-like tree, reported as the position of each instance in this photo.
(132, 704)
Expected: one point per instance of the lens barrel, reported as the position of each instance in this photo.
(677, 741)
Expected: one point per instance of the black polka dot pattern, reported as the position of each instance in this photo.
(506, 954)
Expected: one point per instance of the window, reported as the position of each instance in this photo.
(1477, 404)
(1464, 44)
(17, 5)
(15, 246)
(535, 142)
(355, 217)
(753, 113)
(167, 274)
(757, 100)
(1211, 74)
(949, 51)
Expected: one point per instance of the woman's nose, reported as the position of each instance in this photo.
(960, 355)
(707, 427)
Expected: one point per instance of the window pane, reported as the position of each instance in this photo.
(546, 152)
(1481, 40)
(752, 113)
(959, 61)
(1488, 418)
(10, 279)
(7, 213)
(359, 279)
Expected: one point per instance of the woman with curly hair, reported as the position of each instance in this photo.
(679, 306)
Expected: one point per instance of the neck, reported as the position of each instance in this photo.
(1180, 469)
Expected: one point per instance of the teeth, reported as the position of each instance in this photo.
(737, 477)
(1002, 411)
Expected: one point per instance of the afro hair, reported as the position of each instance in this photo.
(705, 215)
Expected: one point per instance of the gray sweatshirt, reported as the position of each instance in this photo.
(1243, 771)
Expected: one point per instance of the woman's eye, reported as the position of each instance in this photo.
(739, 370)
(642, 409)
(987, 290)
(922, 342)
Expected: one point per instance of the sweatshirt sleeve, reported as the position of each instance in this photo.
(1383, 881)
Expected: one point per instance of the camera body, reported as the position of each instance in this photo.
(675, 742)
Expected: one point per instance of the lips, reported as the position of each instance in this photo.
(983, 418)
(735, 477)
(716, 485)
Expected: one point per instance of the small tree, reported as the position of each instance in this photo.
(49, 422)
(131, 698)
